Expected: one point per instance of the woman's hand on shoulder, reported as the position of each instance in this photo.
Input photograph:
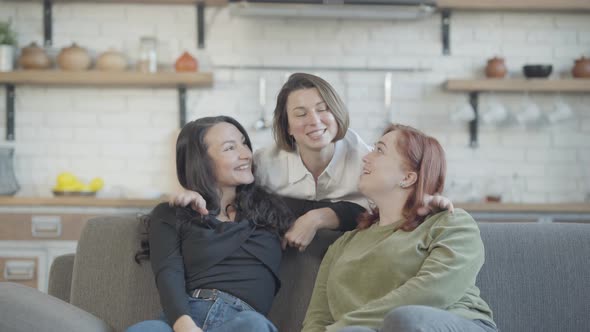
(187, 197)
(435, 203)
(186, 324)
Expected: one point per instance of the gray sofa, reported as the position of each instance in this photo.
(536, 278)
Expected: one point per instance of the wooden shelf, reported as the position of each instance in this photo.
(519, 85)
(213, 3)
(475, 86)
(106, 79)
(555, 5)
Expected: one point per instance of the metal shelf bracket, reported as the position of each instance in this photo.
(474, 124)
(446, 31)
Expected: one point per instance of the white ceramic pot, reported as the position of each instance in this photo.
(6, 58)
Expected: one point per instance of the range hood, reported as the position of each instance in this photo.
(349, 9)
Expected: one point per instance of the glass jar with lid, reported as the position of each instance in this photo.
(147, 61)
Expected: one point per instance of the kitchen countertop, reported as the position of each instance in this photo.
(526, 207)
(77, 202)
(146, 203)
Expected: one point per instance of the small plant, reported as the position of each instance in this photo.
(7, 35)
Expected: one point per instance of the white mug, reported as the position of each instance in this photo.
(464, 113)
(562, 111)
(530, 114)
(494, 114)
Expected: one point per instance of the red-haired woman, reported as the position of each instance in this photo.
(399, 271)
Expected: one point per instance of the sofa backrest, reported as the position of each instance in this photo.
(297, 273)
(109, 284)
(536, 276)
(106, 281)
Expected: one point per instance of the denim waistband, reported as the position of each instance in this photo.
(213, 294)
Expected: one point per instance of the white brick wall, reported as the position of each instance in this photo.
(127, 136)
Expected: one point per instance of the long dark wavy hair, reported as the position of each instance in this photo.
(195, 171)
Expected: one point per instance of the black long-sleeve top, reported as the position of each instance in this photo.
(234, 257)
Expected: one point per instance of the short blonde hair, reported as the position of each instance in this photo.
(300, 81)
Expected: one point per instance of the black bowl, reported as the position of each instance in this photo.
(537, 71)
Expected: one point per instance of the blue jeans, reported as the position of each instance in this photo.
(418, 318)
(214, 316)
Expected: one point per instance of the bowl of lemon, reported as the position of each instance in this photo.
(67, 184)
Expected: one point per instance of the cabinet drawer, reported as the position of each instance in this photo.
(29, 226)
(22, 270)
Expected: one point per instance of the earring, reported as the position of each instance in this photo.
(402, 184)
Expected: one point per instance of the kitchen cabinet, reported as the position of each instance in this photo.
(476, 86)
(26, 265)
(34, 231)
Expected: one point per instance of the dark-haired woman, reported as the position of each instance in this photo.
(217, 272)
(401, 272)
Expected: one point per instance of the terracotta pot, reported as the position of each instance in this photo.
(111, 60)
(73, 58)
(186, 62)
(34, 57)
(582, 68)
(496, 68)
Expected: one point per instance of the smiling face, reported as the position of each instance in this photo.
(311, 123)
(231, 157)
(384, 168)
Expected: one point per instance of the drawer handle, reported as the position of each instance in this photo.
(19, 270)
(46, 226)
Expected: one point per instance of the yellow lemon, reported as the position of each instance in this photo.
(78, 186)
(66, 179)
(96, 184)
(86, 187)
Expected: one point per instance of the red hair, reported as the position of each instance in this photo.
(425, 156)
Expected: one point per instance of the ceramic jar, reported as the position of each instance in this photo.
(34, 57)
(496, 68)
(186, 62)
(581, 68)
(73, 58)
(6, 58)
(111, 60)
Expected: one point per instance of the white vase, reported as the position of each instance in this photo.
(6, 58)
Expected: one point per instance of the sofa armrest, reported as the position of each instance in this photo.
(60, 277)
(26, 309)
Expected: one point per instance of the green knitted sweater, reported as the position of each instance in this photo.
(367, 273)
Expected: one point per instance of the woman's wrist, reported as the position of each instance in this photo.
(324, 218)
